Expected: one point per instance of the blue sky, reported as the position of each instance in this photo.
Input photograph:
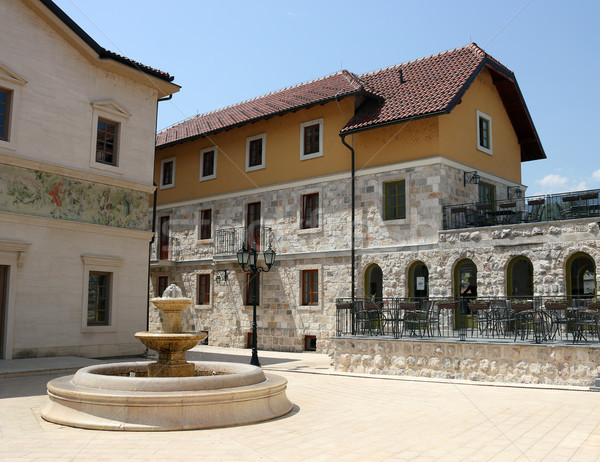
(225, 52)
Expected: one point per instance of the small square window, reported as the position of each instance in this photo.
(311, 139)
(167, 173)
(255, 152)
(99, 297)
(310, 211)
(208, 164)
(107, 142)
(484, 132)
(394, 200)
(310, 287)
(206, 224)
(5, 107)
(203, 289)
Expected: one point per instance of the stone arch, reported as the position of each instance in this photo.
(580, 275)
(463, 272)
(519, 277)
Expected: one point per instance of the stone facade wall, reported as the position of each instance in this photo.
(394, 245)
(510, 363)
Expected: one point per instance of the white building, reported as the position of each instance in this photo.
(77, 131)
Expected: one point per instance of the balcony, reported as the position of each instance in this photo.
(552, 207)
(228, 241)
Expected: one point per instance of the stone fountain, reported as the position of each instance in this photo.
(169, 394)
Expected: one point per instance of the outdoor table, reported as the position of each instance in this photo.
(584, 321)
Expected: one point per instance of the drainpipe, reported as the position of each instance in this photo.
(150, 257)
(353, 250)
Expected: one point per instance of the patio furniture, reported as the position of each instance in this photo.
(535, 209)
(586, 325)
(370, 320)
(415, 321)
(480, 316)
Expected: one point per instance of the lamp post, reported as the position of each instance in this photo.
(248, 260)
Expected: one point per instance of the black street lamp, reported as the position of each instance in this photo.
(248, 260)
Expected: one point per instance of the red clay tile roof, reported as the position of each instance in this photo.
(421, 88)
(418, 88)
(338, 85)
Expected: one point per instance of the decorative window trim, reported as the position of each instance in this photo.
(103, 264)
(262, 136)
(394, 221)
(162, 169)
(209, 305)
(112, 112)
(214, 174)
(312, 155)
(481, 115)
(13, 82)
(301, 195)
(299, 270)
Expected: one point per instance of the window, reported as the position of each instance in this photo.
(163, 283)
(311, 139)
(99, 295)
(487, 193)
(167, 173)
(163, 240)
(208, 164)
(252, 281)
(203, 289)
(255, 152)
(205, 224)
(310, 211)
(5, 102)
(310, 287)
(107, 138)
(484, 132)
(394, 200)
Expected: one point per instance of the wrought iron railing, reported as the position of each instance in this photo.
(552, 207)
(228, 241)
(530, 319)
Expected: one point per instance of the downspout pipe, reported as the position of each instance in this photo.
(353, 214)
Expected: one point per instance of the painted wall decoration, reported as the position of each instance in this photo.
(38, 193)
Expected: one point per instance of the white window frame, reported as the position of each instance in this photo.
(105, 265)
(13, 82)
(482, 115)
(111, 111)
(313, 154)
(262, 136)
(319, 305)
(301, 194)
(214, 174)
(162, 170)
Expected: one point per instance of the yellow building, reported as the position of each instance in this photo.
(349, 179)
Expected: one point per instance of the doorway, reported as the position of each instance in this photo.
(520, 277)
(581, 276)
(374, 282)
(418, 280)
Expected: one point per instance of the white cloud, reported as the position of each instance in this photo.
(553, 181)
(596, 175)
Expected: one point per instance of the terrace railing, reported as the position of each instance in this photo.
(552, 207)
(535, 319)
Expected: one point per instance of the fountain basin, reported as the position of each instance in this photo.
(106, 397)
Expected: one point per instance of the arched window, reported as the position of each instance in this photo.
(418, 280)
(374, 282)
(465, 279)
(519, 277)
(581, 276)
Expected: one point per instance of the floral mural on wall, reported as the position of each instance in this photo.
(42, 194)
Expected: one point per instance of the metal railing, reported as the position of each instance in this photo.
(229, 240)
(552, 207)
(534, 319)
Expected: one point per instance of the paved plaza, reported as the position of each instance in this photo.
(335, 417)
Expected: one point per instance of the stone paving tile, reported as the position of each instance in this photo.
(336, 417)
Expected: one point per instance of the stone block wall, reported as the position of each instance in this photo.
(576, 365)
